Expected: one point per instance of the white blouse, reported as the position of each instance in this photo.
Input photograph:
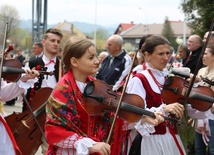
(8, 92)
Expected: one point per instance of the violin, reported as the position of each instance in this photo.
(12, 70)
(99, 99)
(210, 82)
(175, 89)
(187, 75)
(4, 52)
(10, 76)
(24, 127)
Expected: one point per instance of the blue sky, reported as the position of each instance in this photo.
(104, 12)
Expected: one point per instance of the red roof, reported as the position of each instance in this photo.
(123, 27)
(127, 26)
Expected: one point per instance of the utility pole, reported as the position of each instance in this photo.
(95, 23)
(184, 30)
(39, 19)
(146, 28)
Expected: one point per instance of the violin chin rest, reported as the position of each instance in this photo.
(89, 88)
(168, 81)
(182, 71)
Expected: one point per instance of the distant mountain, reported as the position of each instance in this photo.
(26, 24)
(83, 27)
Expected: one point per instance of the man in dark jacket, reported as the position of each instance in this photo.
(116, 65)
(20, 57)
(195, 47)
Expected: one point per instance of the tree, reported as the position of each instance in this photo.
(22, 38)
(101, 37)
(199, 14)
(8, 14)
(168, 33)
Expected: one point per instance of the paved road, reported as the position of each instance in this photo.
(17, 108)
(10, 109)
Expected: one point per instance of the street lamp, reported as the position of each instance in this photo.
(179, 40)
(95, 23)
(8, 41)
(184, 34)
(146, 23)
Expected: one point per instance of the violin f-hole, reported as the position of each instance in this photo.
(31, 134)
(109, 91)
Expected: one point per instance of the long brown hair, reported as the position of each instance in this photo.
(74, 47)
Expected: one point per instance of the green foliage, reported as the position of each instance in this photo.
(21, 38)
(15, 35)
(199, 14)
(102, 34)
(101, 37)
(129, 47)
(186, 132)
(168, 33)
(8, 14)
(100, 44)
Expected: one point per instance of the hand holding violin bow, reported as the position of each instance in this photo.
(29, 74)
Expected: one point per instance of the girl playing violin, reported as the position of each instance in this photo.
(162, 139)
(8, 91)
(69, 128)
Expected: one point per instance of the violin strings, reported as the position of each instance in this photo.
(24, 124)
(29, 119)
(136, 110)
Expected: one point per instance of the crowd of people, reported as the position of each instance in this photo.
(70, 128)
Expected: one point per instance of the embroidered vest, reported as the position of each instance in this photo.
(153, 100)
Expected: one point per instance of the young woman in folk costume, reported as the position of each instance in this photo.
(204, 123)
(163, 139)
(69, 128)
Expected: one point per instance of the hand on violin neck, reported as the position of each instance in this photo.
(29, 74)
(197, 78)
(176, 109)
(154, 121)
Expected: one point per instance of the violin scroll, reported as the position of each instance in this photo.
(210, 82)
(9, 48)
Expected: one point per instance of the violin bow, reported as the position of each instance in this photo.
(2, 51)
(121, 98)
(198, 63)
